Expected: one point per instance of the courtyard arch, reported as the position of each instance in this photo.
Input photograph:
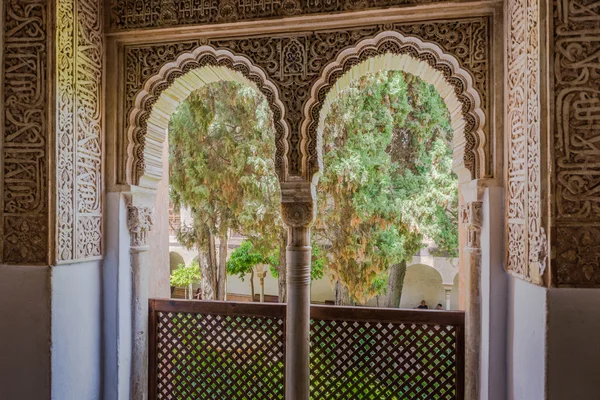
(164, 91)
(394, 51)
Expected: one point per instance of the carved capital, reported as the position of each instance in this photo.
(298, 214)
(139, 222)
(471, 216)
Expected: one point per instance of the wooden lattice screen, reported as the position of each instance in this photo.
(216, 350)
(373, 354)
(226, 350)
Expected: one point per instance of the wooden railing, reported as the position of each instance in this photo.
(226, 350)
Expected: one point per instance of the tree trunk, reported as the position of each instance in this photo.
(252, 284)
(282, 269)
(342, 296)
(209, 270)
(222, 275)
(395, 285)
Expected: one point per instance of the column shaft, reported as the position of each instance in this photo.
(298, 314)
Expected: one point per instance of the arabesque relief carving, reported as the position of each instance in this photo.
(576, 138)
(79, 130)
(25, 139)
(295, 62)
(135, 14)
(526, 239)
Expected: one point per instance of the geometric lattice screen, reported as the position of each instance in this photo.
(374, 360)
(224, 350)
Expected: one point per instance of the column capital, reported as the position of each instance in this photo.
(139, 222)
(298, 214)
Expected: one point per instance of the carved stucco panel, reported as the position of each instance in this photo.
(79, 130)
(295, 62)
(526, 239)
(24, 143)
(576, 138)
(135, 14)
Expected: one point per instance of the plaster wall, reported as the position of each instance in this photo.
(526, 341)
(77, 331)
(320, 290)
(573, 346)
(158, 238)
(117, 308)
(24, 332)
(422, 283)
(493, 298)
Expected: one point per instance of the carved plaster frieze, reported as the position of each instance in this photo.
(135, 14)
(576, 138)
(79, 129)
(25, 132)
(139, 222)
(526, 239)
(295, 62)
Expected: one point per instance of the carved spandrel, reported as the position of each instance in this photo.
(296, 61)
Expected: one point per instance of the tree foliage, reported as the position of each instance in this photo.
(386, 180)
(221, 155)
(184, 276)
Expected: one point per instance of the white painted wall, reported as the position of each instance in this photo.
(24, 332)
(158, 238)
(573, 345)
(76, 331)
(116, 296)
(526, 341)
(494, 286)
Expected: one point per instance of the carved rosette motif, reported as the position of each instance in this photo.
(24, 142)
(135, 14)
(576, 138)
(139, 222)
(295, 62)
(526, 239)
(79, 130)
(298, 214)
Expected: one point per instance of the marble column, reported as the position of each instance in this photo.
(298, 217)
(139, 221)
(448, 293)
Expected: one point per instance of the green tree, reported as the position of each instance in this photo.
(185, 276)
(221, 155)
(244, 259)
(386, 182)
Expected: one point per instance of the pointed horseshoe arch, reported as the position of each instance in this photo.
(393, 51)
(161, 94)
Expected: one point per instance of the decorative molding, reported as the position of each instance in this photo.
(135, 14)
(79, 130)
(526, 239)
(298, 214)
(139, 222)
(293, 64)
(576, 137)
(25, 136)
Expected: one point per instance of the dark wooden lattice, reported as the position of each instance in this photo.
(226, 350)
(375, 354)
(214, 350)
